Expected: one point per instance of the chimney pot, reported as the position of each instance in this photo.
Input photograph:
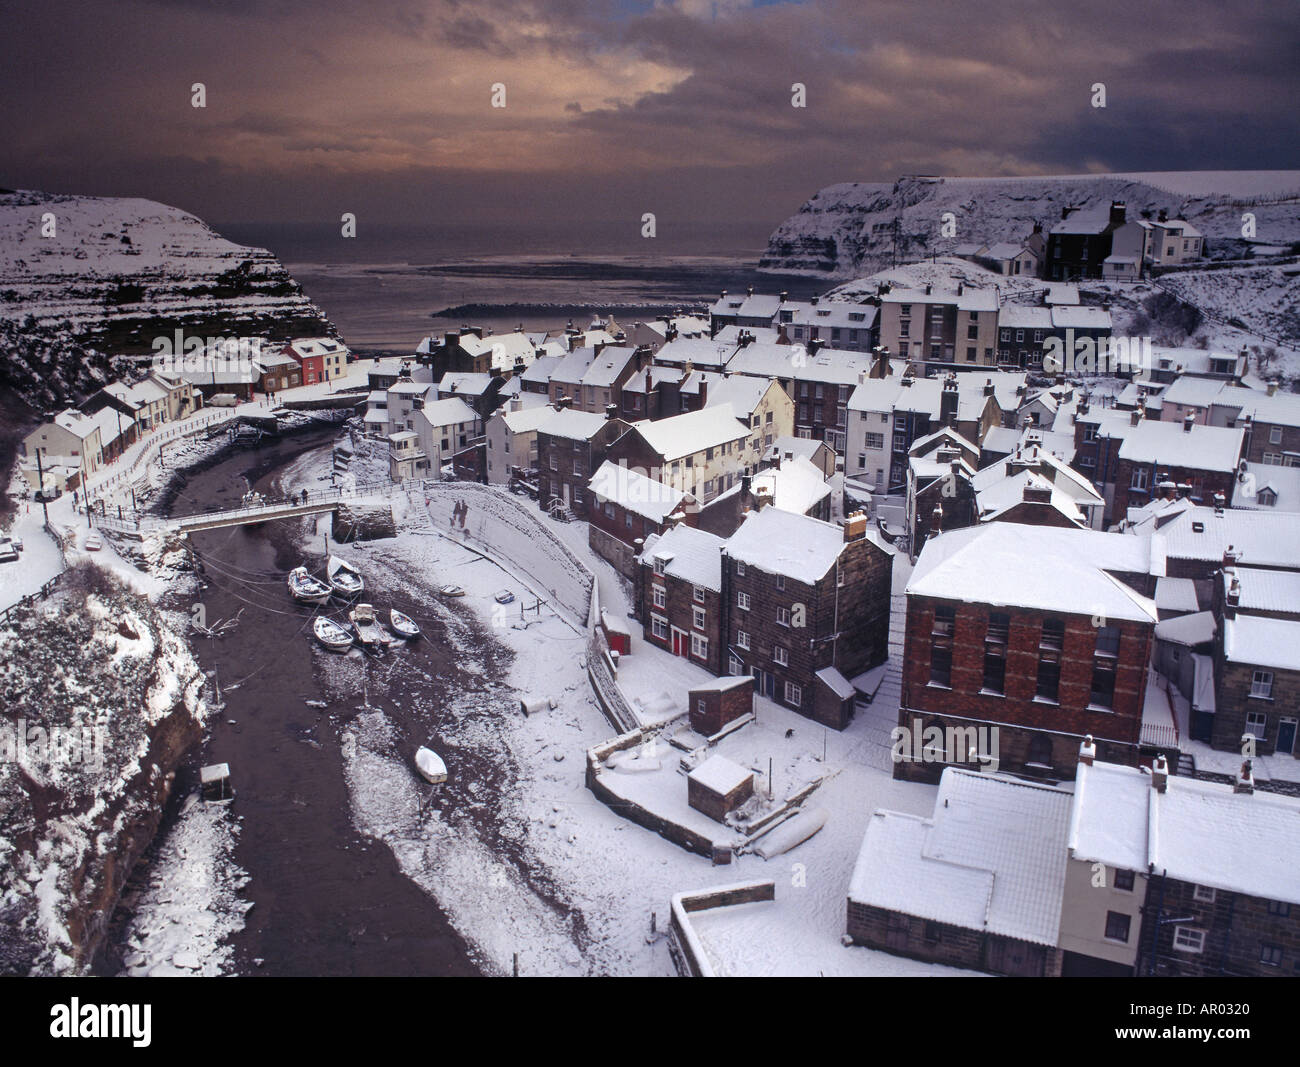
(1087, 751)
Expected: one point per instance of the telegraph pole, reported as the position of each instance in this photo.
(40, 473)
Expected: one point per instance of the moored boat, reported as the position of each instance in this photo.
(366, 626)
(345, 580)
(430, 765)
(452, 590)
(305, 589)
(402, 625)
(334, 636)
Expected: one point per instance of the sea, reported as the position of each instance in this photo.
(390, 286)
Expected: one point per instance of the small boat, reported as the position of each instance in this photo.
(430, 766)
(452, 590)
(344, 578)
(504, 597)
(94, 542)
(402, 625)
(305, 589)
(334, 636)
(366, 626)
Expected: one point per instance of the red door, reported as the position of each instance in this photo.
(679, 642)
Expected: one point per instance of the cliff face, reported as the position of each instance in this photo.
(85, 279)
(101, 701)
(854, 229)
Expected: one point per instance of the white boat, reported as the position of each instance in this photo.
(504, 596)
(305, 589)
(430, 766)
(94, 542)
(402, 625)
(366, 626)
(452, 590)
(344, 578)
(334, 636)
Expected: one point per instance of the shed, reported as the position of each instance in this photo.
(214, 781)
(716, 703)
(718, 786)
(617, 633)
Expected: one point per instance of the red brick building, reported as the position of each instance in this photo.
(1041, 633)
(715, 704)
(570, 448)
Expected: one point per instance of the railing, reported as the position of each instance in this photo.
(159, 437)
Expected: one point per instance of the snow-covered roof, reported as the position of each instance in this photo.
(308, 347)
(741, 391)
(798, 485)
(1191, 630)
(634, 491)
(701, 352)
(608, 365)
(507, 350)
(1009, 492)
(1196, 831)
(1207, 448)
(1044, 568)
(690, 555)
(573, 425)
(692, 431)
(572, 367)
(1190, 391)
(720, 775)
(1024, 317)
(541, 369)
(1177, 595)
(1262, 642)
(75, 423)
(527, 418)
(836, 683)
(465, 382)
(991, 858)
(1265, 590)
(723, 684)
(1259, 538)
(409, 388)
(446, 412)
(781, 542)
(1066, 317)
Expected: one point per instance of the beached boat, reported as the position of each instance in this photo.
(305, 589)
(402, 625)
(366, 626)
(344, 578)
(334, 636)
(452, 590)
(504, 596)
(430, 766)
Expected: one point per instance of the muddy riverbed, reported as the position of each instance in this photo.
(326, 899)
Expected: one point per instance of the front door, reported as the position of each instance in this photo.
(765, 682)
(1286, 737)
(681, 643)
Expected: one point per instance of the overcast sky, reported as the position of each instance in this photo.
(682, 107)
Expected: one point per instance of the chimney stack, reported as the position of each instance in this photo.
(1219, 502)
(1189, 420)
(855, 527)
(1135, 416)
(516, 403)
(988, 387)
(1245, 782)
(1087, 751)
(1160, 774)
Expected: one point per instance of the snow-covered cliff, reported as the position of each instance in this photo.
(853, 229)
(82, 277)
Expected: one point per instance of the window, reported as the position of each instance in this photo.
(742, 640)
(1270, 955)
(875, 440)
(1279, 908)
(1261, 684)
(1124, 880)
(793, 694)
(740, 569)
(697, 593)
(1104, 661)
(1275, 435)
(781, 656)
(1256, 724)
(1204, 893)
(660, 599)
(659, 565)
(699, 646)
(780, 581)
(941, 645)
(1139, 479)
(659, 627)
(1117, 926)
(783, 616)
(1049, 659)
(698, 618)
(734, 665)
(742, 601)
(995, 652)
